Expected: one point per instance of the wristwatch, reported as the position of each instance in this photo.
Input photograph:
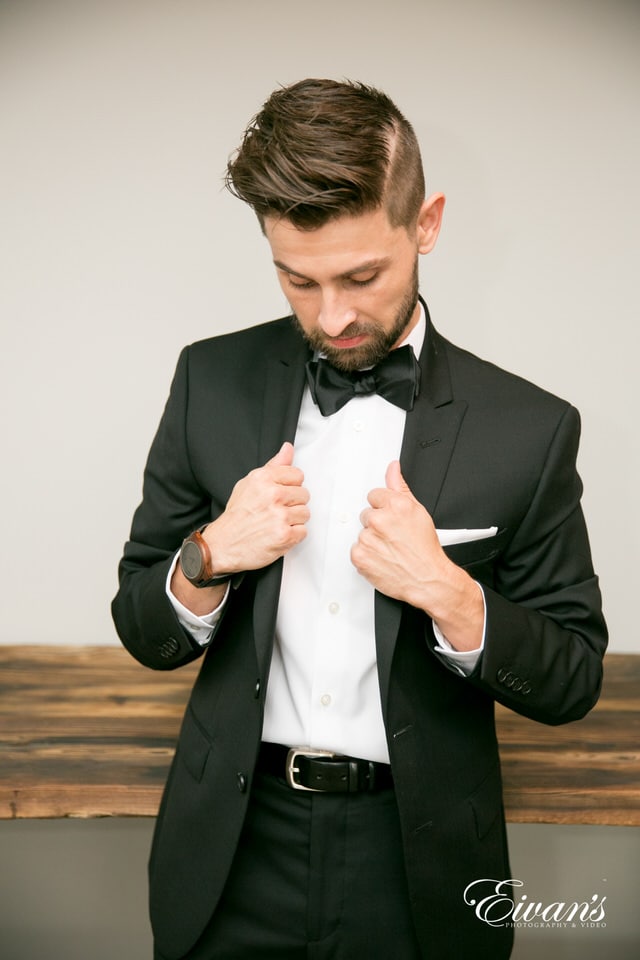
(195, 561)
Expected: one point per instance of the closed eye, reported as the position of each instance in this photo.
(364, 282)
(298, 283)
(301, 284)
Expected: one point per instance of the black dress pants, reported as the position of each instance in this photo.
(317, 876)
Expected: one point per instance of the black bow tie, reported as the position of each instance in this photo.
(396, 378)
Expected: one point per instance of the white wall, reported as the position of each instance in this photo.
(118, 244)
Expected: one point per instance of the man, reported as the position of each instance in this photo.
(382, 536)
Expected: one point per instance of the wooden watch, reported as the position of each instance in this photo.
(196, 564)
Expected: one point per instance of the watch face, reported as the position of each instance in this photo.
(191, 560)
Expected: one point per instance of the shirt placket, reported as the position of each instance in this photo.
(341, 605)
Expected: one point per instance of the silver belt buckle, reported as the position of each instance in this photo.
(291, 768)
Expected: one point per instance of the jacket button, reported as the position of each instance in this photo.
(168, 648)
(241, 781)
(501, 674)
(256, 692)
(526, 687)
(517, 685)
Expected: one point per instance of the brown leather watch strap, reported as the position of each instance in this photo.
(207, 562)
(206, 577)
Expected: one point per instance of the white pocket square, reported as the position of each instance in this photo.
(448, 537)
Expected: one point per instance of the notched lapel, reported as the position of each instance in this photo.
(284, 385)
(430, 436)
(433, 425)
(428, 444)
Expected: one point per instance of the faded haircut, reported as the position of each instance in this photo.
(320, 149)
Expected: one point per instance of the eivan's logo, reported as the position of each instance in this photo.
(495, 903)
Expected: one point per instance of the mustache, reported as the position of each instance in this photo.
(317, 338)
(354, 329)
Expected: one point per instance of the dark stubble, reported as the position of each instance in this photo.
(379, 342)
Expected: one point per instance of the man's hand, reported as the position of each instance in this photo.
(264, 518)
(399, 553)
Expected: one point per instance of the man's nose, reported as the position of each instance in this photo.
(335, 314)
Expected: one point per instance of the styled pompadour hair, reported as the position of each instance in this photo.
(320, 149)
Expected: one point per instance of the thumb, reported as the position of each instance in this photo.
(394, 479)
(284, 456)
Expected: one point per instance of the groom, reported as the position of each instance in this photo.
(369, 535)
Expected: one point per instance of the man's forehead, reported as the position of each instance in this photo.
(345, 223)
(348, 243)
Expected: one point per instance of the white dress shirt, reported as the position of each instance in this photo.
(323, 686)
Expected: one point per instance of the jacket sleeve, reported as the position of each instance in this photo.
(545, 632)
(173, 504)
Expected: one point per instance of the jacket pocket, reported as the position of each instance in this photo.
(486, 804)
(194, 747)
(477, 551)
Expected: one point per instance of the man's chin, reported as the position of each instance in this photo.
(354, 358)
(372, 343)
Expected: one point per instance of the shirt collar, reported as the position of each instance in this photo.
(416, 337)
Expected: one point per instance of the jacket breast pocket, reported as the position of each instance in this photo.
(479, 557)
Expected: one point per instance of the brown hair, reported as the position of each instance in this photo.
(320, 149)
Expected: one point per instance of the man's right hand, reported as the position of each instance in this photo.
(265, 517)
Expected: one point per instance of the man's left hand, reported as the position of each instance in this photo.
(399, 553)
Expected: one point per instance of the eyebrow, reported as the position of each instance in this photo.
(375, 264)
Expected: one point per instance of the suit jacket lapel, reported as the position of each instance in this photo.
(430, 436)
(284, 384)
(432, 426)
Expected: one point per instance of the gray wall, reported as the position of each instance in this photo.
(117, 246)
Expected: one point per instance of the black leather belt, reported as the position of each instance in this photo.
(305, 768)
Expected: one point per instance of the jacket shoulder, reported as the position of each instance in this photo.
(476, 379)
(242, 356)
(274, 335)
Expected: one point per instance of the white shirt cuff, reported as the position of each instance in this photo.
(200, 628)
(464, 661)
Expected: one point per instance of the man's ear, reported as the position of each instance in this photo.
(429, 222)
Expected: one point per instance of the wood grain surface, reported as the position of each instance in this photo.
(88, 732)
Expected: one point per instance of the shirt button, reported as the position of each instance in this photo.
(358, 426)
(344, 518)
(325, 699)
(334, 607)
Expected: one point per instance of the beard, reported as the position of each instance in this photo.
(380, 341)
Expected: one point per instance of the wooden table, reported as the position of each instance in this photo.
(88, 732)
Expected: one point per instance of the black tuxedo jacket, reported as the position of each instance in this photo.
(481, 448)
